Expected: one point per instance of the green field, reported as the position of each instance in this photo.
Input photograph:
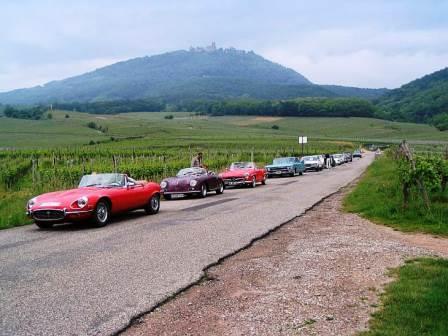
(44, 155)
(416, 303)
(15, 133)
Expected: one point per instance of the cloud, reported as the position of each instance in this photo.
(371, 43)
(365, 57)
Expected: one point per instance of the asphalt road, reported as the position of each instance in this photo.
(75, 280)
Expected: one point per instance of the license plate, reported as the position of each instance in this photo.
(177, 195)
(278, 172)
(232, 183)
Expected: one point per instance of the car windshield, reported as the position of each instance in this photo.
(191, 171)
(338, 155)
(286, 160)
(102, 180)
(309, 158)
(241, 165)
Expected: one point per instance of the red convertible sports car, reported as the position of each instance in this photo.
(243, 173)
(191, 181)
(97, 197)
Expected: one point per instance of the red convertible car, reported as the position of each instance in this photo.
(97, 197)
(191, 181)
(243, 174)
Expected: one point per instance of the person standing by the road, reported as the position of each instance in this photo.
(197, 161)
(327, 161)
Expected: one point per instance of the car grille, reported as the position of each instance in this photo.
(234, 179)
(272, 170)
(48, 215)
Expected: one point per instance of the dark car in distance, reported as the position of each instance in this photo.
(357, 154)
(191, 181)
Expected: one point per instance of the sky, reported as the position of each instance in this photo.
(368, 43)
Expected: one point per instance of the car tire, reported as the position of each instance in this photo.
(167, 197)
(269, 176)
(253, 184)
(220, 189)
(301, 173)
(101, 215)
(203, 192)
(44, 225)
(264, 181)
(153, 205)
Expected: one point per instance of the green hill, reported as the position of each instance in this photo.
(197, 74)
(422, 100)
(349, 91)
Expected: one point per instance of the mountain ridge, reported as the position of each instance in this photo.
(423, 100)
(199, 73)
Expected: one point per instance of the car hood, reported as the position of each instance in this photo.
(65, 197)
(285, 165)
(235, 173)
(183, 180)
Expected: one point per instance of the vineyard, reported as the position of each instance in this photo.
(26, 173)
(414, 185)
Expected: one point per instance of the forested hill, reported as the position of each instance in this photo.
(200, 73)
(350, 91)
(422, 100)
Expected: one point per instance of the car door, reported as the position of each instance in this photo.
(256, 173)
(259, 174)
(212, 181)
(298, 165)
(138, 195)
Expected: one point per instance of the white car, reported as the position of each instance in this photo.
(338, 159)
(313, 162)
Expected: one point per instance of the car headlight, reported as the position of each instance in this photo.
(31, 202)
(82, 202)
(164, 184)
(193, 183)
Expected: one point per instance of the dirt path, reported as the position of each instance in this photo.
(317, 275)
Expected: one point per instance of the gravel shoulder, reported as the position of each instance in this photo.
(320, 274)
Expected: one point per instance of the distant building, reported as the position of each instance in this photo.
(210, 48)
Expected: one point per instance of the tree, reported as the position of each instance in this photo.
(440, 121)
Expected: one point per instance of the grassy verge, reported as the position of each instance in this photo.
(416, 303)
(378, 197)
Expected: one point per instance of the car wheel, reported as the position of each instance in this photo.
(264, 181)
(269, 176)
(203, 193)
(254, 182)
(167, 197)
(301, 173)
(220, 189)
(44, 225)
(101, 214)
(153, 205)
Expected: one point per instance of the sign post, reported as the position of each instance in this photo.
(303, 140)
